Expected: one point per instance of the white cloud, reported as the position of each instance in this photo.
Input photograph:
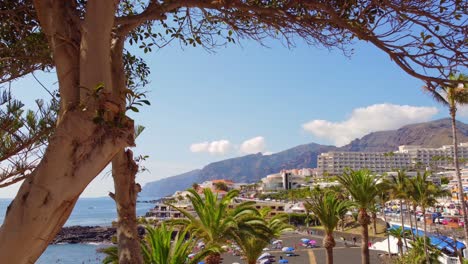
(219, 147)
(253, 145)
(364, 120)
(462, 111)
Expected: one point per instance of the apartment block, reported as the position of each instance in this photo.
(406, 157)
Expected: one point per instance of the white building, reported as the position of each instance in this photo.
(407, 156)
(334, 163)
(284, 180)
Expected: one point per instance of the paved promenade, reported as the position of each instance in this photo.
(342, 254)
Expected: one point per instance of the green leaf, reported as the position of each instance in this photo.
(145, 102)
(138, 130)
(98, 88)
(134, 109)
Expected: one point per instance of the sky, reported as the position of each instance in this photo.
(248, 98)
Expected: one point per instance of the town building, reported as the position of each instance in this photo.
(285, 180)
(163, 211)
(334, 163)
(406, 157)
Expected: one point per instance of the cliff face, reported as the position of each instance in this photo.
(430, 134)
(252, 168)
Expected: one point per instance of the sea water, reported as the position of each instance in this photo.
(87, 212)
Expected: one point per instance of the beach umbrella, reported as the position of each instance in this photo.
(201, 262)
(305, 240)
(312, 242)
(200, 244)
(191, 255)
(266, 249)
(283, 261)
(264, 255)
(265, 261)
(277, 242)
(287, 249)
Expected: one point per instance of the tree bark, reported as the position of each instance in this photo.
(124, 170)
(374, 223)
(364, 221)
(461, 195)
(329, 244)
(425, 234)
(410, 220)
(403, 223)
(400, 247)
(214, 258)
(329, 251)
(386, 231)
(80, 147)
(415, 220)
(74, 157)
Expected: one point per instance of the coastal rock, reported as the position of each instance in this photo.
(85, 234)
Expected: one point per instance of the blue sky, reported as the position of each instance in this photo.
(248, 91)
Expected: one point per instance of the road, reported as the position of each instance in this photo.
(342, 254)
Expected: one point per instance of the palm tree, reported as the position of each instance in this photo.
(417, 253)
(329, 210)
(157, 248)
(214, 223)
(399, 190)
(112, 255)
(399, 233)
(384, 197)
(363, 188)
(252, 245)
(451, 96)
(425, 194)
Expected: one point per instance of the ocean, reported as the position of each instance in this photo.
(87, 212)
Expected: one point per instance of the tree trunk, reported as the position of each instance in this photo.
(329, 251)
(400, 247)
(386, 231)
(81, 146)
(425, 235)
(213, 259)
(410, 220)
(415, 219)
(74, 157)
(461, 195)
(124, 170)
(329, 243)
(403, 223)
(364, 221)
(374, 223)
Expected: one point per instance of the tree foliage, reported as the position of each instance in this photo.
(427, 39)
(23, 135)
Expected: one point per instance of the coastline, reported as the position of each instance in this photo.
(87, 235)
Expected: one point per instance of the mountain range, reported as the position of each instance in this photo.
(251, 168)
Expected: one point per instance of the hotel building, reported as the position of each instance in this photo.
(407, 157)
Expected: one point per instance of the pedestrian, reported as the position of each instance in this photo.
(354, 240)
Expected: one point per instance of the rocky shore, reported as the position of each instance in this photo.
(85, 234)
(88, 234)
